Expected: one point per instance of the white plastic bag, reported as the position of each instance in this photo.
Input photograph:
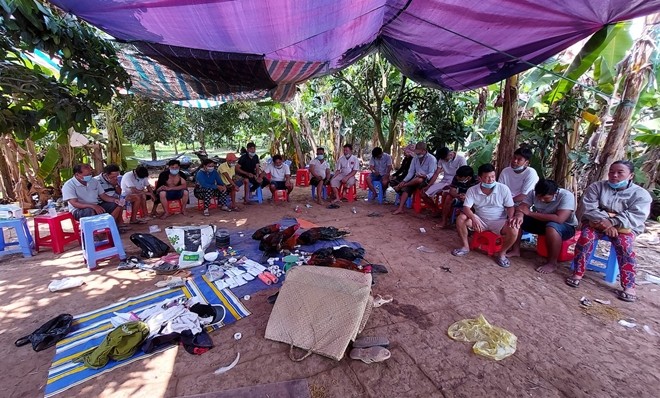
(190, 238)
(63, 284)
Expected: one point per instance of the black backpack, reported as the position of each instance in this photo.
(48, 334)
(151, 246)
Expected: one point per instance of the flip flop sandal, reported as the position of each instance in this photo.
(371, 341)
(503, 262)
(630, 298)
(123, 266)
(166, 269)
(459, 252)
(371, 354)
(333, 206)
(381, 300)
(378, 268)
(572, 282)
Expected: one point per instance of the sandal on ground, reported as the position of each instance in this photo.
(333, 206)
(371, 354)
(380, 300)
(138, 222)
(225, 208)
(503, 262)
(165, 268)
(573, 282)
(371, 341)
(630, 298)
(206, 213)
(460, 252)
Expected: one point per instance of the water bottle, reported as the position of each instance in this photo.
(52, 211)
(122, 200)
(354, 210)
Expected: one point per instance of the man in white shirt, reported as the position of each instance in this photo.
(280, 176)
(347, 166)
(320, 170)
(448, 163)
(493, 206)
(381, 168)
(85, 196)
(519, 177)
(135, 185)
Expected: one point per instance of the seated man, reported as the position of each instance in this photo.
(109, 180)
(463, 180)
(210, 185)
(448, 164)
(381, 167)
(249, 168)
(232, 181)
(171, 186)
(86, 197)
(347, 166)
(553, 216)
(320, 171)
(519, 177)
(135, 186)
(400, 174)
(280, 176)
(493, 206)
(422, 168)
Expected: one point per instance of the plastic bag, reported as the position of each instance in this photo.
(188, 259)
(490, 341)
(190, 238)
(48, 334)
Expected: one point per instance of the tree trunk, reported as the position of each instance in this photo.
(152, 149)
(97, 158)
(509, 126)
(176, 150)
(6, 183)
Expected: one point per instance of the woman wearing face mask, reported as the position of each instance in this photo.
(616, 208)
(210, 185)
(169, 187)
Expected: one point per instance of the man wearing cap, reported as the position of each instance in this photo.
(233, 182)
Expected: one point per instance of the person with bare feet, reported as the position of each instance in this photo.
(553, 216)
(229, 177)
(280, 176)
(615, 208)
(320, 171)
(381, 167)
(347, 166)
(448, 164)
(171, 186)
(135, 186)
(519, 177)
(209, 185)
(462, 181)
(249, 167)
(421, 169)
(493, 211)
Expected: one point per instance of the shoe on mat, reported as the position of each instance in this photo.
(371, 341)
(371, 354)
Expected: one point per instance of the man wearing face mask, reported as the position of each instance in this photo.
(135, 185)
(421, 169)
(232, 181)
(519, 177)
(320, 170)
(553, 216)
(210, 185)
(249, 168)
(171, 186)
(493, 206)
(280, 175)
(86, 197)
(347, 166)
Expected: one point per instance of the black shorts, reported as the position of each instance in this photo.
(412, 188)
(254, 184)
(315, 181)
(109, 207)
(538, 227)
(279, 185)
(174, 195)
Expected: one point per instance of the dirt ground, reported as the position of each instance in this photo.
(564, 349)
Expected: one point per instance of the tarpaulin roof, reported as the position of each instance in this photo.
(225, 50)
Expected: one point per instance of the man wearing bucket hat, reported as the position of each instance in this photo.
(232, 181)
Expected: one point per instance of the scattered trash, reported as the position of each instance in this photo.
(627, 324)
(211, 256)
(652, 279)
(237, 336)
(425, 249)
(297, 209)
(585, 302)
(308, 206)
(228, 368)
(446, 269)
(63, 284)
(153, 229)
(381, 300)
(246, 297)
(354, 210)
(241, 234)
(374, 214)
(422, 230)
(648, 330)
(604, 302)
(490, 341)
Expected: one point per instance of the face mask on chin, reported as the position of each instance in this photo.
(251, 154)
(488, 185)
(320, 157)
(347, 156)
(174, 171)
(618, 185)
(421, 155)
(519, 168)
(87, 178)
(210, 169)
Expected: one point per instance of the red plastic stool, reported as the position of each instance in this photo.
(567, 251)
(362, 181)
(487, 241)
(350, 194)
(129, 212)
(302, 177)
(57, 238)
(419, 204)
(176, 206)
(281, 195)
(212, 205)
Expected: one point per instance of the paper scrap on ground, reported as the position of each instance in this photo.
(228, 368)
(490, 341)
(627, 324)
(425, 249)
(63, 284)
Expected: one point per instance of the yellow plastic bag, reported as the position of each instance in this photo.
(490, 341)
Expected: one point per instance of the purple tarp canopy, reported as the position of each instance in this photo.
(246, 49)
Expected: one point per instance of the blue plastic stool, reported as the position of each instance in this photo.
(95, 251)
(259, 197)
(378, 186)
(25, 241)
(324, 192)
(609, 265)
(408, 202)
(527, 236)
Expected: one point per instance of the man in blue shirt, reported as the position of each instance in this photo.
(421, 169)
(210, 185)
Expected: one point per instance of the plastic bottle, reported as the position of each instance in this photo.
(52, 211)
(354, 210)
(122, 200)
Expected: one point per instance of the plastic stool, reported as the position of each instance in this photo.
(609, 265)
(487, 241)
(212, 205)
(418, 204)
(176, 206)
(567, 251)
(349, 193)
(362, 181)
(409, 201)
(129, 211)
(302, 177)
(25, 241)
(95, 251)
(454, 213)
(57, 238)
(281, 195)
(324, 192)
(378, 186)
